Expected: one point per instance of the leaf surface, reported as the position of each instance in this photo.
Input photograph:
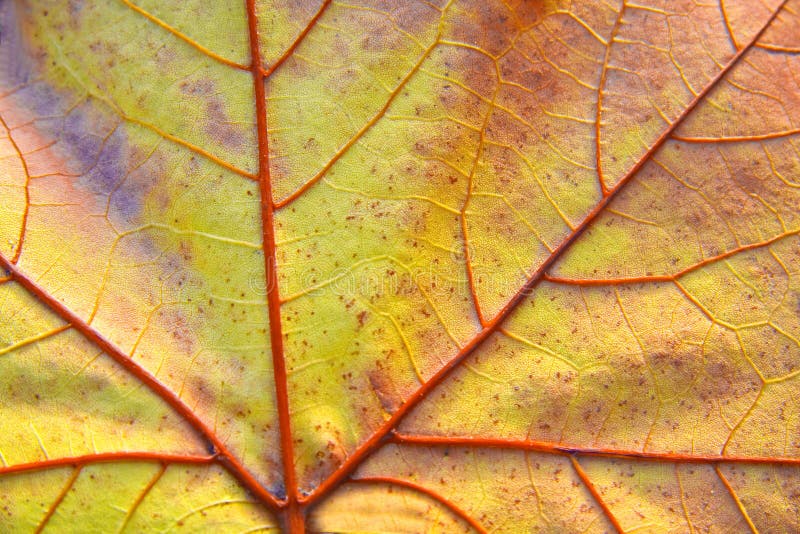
(402, 267)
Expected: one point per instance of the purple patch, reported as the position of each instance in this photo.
(127, 201)
(96, 147)
(13, 72)
(106, 171)
(41, 99)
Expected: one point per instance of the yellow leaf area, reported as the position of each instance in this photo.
(408, 266)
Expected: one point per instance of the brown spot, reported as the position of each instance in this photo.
(386, 390)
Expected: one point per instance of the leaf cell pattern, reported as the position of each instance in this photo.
(400, 266)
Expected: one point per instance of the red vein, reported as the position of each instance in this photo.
(381, 434)
(147, 379)
(737, 138)
(24, 224)
(57, 502)
(294, 519)
(557, 448)
(105, 457)
(735, 498)
(598, 111)
(668, 277)
(300, 38)
(595, 494)
(452, 507)
(222, 454)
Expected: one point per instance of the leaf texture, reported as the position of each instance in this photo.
(480, 266)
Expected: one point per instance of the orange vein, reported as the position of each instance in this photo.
(147, 379)
(364, 129)
(57, 502)
(452, 507)
(682, 493)
(735, 498)
(382, 433)
(779, 48)
(24, 224)
(294, 520)
(668, 277)
(728, 24)
(185, 38)
(599, 110)
(463, 214)
(140, 498)
(105, 457)
(170, 137)
(186, 144)
(549, 447)
(595, 494)
(33, 339)
(289, 51)
(737, 138)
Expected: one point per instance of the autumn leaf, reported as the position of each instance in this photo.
(492, 266)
